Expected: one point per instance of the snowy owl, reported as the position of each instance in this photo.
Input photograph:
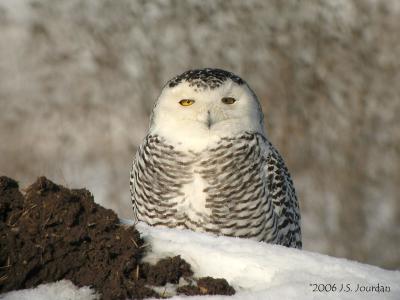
(206, 164)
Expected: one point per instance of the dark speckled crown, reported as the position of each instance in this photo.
(205, 78)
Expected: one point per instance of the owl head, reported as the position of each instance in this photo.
(199, 107)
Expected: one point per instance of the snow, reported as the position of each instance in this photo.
(262, 271)
(60, 290)
(256, 270)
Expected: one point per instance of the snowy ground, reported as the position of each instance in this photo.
(61, 290)
(256, 270)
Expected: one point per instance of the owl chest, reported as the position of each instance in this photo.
(214, 183)
(200, 189)
(192, 202)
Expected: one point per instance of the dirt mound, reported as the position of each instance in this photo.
(166, 270)
(54, 233)
(207, 286)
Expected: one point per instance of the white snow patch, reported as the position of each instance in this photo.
(262, 271)
(60, 290)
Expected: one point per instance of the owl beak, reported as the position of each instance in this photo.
(209, 121)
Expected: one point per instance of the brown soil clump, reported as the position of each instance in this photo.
(11, 201)
(63, 234)
(207, 286)
(53, 233)
(167, 270)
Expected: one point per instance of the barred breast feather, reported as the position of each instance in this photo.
(238, 187)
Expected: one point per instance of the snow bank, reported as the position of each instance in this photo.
(60, 290)
(256, 270)
(261, 271)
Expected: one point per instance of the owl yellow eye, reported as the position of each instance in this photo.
(228, 100)
(186, 102)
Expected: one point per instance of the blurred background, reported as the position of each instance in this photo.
(78, 80)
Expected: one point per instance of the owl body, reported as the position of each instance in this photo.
(207, 166)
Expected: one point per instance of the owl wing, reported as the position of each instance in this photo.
(284, 200)
(132, 181)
